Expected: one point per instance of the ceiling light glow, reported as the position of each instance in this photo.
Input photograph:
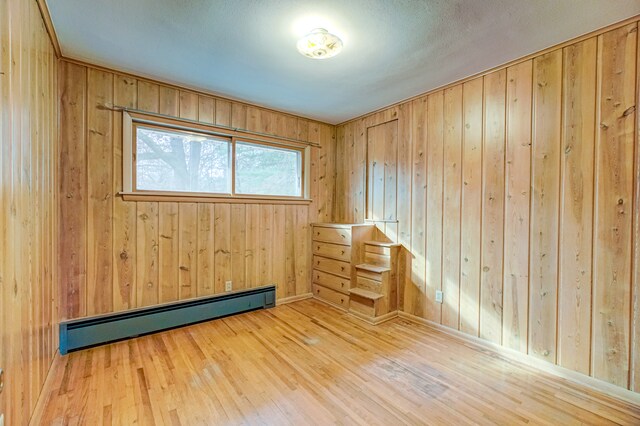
(319, 44)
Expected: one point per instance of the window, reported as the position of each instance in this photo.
(180, 161)
(268, 170)
(173, 158)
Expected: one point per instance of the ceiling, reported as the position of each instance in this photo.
(393, 49)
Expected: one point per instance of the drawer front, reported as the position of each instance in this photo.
(333, 297)
(332, 266)
(334, 282)
(332, 235)
(335, 251)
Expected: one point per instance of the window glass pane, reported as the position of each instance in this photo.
(181, 161)
(265, 170)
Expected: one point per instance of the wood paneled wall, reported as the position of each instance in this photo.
(117, 255)
(519, 198)
(28, 155)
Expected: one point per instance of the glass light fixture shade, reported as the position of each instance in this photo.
(319, 44)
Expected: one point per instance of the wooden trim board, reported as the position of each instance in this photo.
(46, 17)
(292, 299)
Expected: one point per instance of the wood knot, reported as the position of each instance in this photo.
(124, 255)
(184, 268)
(629, 111)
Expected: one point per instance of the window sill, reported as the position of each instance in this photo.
(199, 198)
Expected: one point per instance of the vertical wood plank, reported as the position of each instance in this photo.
(404, 198)
(451, 221)
(222, 246)
(613, 203)
(543, 301)
(148, 96)
(206, 109)
(168, 247)
(576, 211)
(187, 250)
(188, 105)
(358, 184)
(238, 116)
(206, 249)
(415, 300)
(390, 172)
(73, 190)
(238, 241)
(147, 253)
(223, 112)
(471, 209)
(252, 236)
(634, 382)
(376, 158)
(435, 149)
(493, 207)
(124, 213)
(302, 249)
(516, 221)
(265, 238)
(99, 182)
(315, 174)
(279, 248)
(290, 250)
(169, 215)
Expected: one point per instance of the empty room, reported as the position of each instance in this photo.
(293, 212)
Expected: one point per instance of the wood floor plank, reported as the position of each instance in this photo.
(308, 363)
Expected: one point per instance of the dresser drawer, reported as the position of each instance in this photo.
(332, 235)
(333, 282)
(335, 251)
(335, 298)
(332, 266)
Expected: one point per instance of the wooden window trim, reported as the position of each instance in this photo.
(132, 119)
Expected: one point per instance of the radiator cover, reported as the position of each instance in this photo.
(96, 330)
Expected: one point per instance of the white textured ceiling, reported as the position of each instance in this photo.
(394, 49)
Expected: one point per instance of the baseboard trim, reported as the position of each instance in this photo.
(377, 320)
(513, 355)
(45, 392)
(292, 299)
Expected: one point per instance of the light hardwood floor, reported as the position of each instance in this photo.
(307, 363)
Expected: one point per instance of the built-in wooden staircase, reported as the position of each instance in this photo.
(355, 270)
(373, 296)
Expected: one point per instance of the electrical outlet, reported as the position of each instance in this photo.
(438, 296)
(228, 286)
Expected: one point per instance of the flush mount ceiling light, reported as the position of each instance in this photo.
(319, 44)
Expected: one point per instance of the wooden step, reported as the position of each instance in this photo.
(377, 259)
(381, 244)
(365, 293)
(373, 268)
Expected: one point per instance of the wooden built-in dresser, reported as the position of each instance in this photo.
(336, 249)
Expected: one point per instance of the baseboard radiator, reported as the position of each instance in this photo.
(85, 332)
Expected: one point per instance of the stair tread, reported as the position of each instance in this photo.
(381, 244)
(373, 268)
(367, 294)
